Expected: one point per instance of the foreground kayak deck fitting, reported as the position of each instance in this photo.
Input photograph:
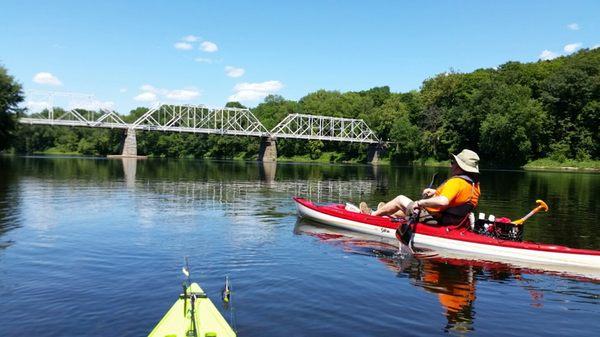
(456, 239)
(193, 315)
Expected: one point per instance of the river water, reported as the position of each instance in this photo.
(94, 247)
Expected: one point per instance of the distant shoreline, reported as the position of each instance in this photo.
(549, 165)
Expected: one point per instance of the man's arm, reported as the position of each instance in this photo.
(439, 201)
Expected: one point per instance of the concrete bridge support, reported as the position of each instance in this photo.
(374, 153)
(268, 150)
(129, 146)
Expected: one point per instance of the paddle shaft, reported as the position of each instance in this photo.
(431, 182)
(541, 206)
(404, 232)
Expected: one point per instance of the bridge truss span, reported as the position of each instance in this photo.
(201, 119)
(82, 110)
(312, 127)
(104, 119)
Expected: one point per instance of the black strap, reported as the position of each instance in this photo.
(465, 177)
(456, 214)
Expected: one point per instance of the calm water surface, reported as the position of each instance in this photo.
(94, 247)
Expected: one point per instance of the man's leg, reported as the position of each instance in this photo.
(399, 203)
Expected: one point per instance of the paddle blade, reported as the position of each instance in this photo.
(404, 233)
(186, 268)
(542, 205)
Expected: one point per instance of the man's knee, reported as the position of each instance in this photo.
(402, 201)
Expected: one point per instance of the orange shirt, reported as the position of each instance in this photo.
(458, 191)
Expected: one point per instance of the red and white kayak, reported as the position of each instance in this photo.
(451, 238)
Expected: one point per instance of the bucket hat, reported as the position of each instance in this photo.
(468, 161)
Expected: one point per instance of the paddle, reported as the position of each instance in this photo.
(404, 232)
(541, 205)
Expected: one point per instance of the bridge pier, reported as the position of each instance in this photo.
(129, 147)
(268, 150)
(374, 153)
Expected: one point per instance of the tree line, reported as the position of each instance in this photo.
(511, 114)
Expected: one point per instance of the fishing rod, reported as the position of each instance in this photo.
(191, 296)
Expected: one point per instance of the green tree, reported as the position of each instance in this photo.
(513, 127)
(274, 109)
(11, 94)
(334, 103)
(235, 104)
(135, 114)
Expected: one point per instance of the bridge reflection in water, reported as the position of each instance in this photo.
(224, 192)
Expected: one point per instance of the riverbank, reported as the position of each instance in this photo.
(544, 164)
(567, 165)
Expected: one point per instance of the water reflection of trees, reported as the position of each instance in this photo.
(9, 194)
(571, 196)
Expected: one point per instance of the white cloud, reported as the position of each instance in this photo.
(152, 94)
(234, 72)
(548, 55)
(148, 87)
(183, 46)
(209, 47)
(190, 38)
(254, 91)
(203, 60)
(108, 104)
(182, 94)
(122, 90)
(37, 106)
(573, 26)
(92, 105)
(46, 78)
(571, 47)
(146, 97)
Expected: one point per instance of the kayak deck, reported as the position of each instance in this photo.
(450, 237)
(177, 322)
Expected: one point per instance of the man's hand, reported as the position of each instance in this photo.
(428, 193)
(414, 206)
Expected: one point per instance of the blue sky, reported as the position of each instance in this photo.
(132, 53)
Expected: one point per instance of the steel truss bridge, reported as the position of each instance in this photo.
(201, 119)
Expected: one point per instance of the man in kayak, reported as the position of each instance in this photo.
(450, 203)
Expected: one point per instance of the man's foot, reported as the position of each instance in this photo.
(379, 205)
(364, 208)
